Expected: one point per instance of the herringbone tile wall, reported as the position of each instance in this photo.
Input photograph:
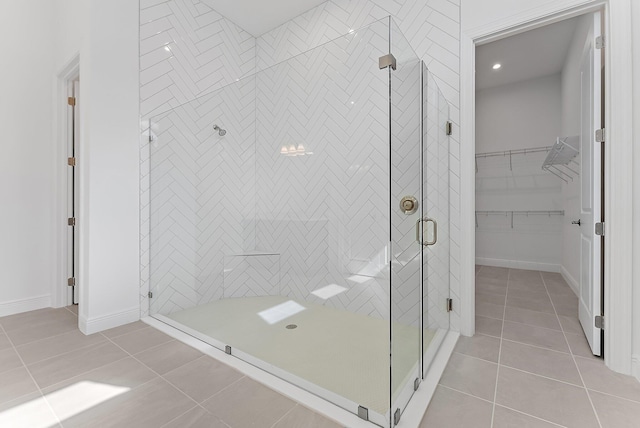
(187, 50)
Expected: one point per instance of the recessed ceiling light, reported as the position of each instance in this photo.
(496, 66)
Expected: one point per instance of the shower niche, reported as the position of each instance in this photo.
(282, 239)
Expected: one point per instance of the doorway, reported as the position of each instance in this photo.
(71, 138)
(539, 169)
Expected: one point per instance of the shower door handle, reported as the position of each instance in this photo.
(435, 231)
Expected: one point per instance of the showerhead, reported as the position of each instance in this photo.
(221, 132)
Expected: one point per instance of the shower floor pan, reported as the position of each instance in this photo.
(341, 352)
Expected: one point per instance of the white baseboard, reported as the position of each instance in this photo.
(25, 305)
(570, 280)
(95, 325)
(518, 264)
(411, 417)
(635, 366)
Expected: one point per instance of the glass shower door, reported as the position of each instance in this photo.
(406, 205)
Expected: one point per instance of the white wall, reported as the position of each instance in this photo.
(636, 183)
(26, 261)
(516, 116)
(571, 99)
(109, 167)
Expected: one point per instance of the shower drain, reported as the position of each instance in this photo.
(291, 326)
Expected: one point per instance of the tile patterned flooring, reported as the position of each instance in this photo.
(528, 366)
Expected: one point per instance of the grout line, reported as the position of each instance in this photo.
(32, 378)
(465, 393)
(495, 393)
(285, 414)
(475, 358)
(573, 356)
(539, 347)
(614, 396)
(532, 416)
(179, 416)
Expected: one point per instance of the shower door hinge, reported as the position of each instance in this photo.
(71, 101)
(386, 61)
(449, 305)
(71, 221)
(600, 322)
(600, 135)
(363, 413)
(599, 42)
(71, 282)
(600, 229)
(416, 384)
(449, 128)
(71, 161)
(227, 349)
(150, 294)
(396, 416)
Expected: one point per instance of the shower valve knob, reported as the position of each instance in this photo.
(409, 205)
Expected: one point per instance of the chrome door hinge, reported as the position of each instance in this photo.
(600, 322)
(71, 101)
(363, 413)
(449, 305)
(449, 128)
(600, 135)
(71, 161)
(71, 221)
(599, 42)
(227, 349)
(600, 229)
(386, 61)
(150, 294)
(396, 416)
(71, 282)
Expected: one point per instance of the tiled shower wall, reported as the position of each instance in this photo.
(210, 51)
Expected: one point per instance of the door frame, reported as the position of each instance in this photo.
(63, 80)
(618, 162)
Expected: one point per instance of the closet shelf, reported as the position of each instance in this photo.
(515, 213)
(510, 153)
(560, 157)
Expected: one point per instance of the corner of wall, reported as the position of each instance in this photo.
(95, 325)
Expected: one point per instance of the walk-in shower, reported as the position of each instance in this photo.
(313, 240)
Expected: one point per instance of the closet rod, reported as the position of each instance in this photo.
(514, 152)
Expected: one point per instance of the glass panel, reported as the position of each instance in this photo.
(436, 206)
(273, 238)
(406, 260)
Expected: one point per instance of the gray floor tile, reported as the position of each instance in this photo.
(493, 272)
(58, 345)
(615, 412)
(479, 346)
(488, 326)
(15, 383)
(141, 339)
(533, 305)
(537, 336)
(9, 360)
(61, 321)
(4, 342)
(168, 356)
(470, 375)
(547, 399)
(149, 406)
(124, 329)
(262, 407)
(496, 299)
(540, 361)
(301, 417)
(579, 345)
(567, 309)
(539, 294)
(196, 418)
(571, 325)
(23, 319)
(28, 411)
(489, 288)
(599, 378)
(489, 310)
(507, 418)
(73, 309)
(534, 318)
(525, 275)
(516, 285)
(452, 409)
(65, 366)
(126, 373)
(202, 378)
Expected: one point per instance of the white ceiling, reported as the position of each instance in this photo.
(535, 53)
(260, 16)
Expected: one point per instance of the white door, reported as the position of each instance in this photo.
(590, 304)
